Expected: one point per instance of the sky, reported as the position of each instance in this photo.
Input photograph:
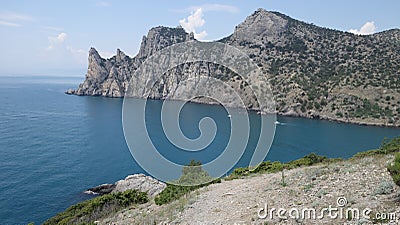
(53, 38)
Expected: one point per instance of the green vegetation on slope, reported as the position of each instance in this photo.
(387, 147)
(191, 172)
(272, 167)
(88, 211)
(314, 68)
(174, 192)
(394, 169)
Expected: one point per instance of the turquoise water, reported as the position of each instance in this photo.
(54, 146)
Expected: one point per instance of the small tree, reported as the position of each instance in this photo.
(193, 174)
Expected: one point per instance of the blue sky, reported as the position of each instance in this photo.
(53, 37)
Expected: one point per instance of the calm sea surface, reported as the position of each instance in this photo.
(54, 146)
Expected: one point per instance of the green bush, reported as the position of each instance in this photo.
(93, 209)
(268, 166)
(307, 160)
(172, 192)
(394, 169)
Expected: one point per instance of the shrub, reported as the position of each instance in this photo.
(307, 160)
(96, 208)
(391, 146)
(268, 166)
(272, 167)
(384, 188)
(173, 192)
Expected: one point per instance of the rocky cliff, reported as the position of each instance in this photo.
(110, 77)
(314, 72)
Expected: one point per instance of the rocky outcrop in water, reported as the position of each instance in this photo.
(102, 189)
(314, 72)
(139, 182)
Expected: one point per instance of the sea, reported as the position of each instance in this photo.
(54, 146)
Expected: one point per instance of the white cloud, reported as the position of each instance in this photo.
(103, 4)
(58, 52)
(367, 28)
(9, 24)
(210, 7)
(13, 16)
(195, 20)
(61, 37)
(57, 40)
(201, 35)
(12, 19)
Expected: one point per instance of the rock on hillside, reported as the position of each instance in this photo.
(139, 182)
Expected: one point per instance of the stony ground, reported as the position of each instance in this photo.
(358, 184)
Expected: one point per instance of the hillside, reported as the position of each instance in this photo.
(314, 72)
(361, 183)
(360, 190)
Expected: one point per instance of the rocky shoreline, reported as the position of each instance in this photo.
(292, 113)
(342, 120)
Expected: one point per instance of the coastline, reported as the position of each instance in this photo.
(292, 114)
(311, 182)
(345, 121)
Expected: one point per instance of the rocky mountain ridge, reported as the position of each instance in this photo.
(314, 72)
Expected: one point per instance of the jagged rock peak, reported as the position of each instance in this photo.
(260, 10)
(261, 23)
(95, 60)
(93, 53)
(160, 37)
(96, 67)
(120, 55)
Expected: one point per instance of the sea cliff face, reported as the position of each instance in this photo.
(314, 72)
(110, 77)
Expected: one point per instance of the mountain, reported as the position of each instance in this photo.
(314, 72)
